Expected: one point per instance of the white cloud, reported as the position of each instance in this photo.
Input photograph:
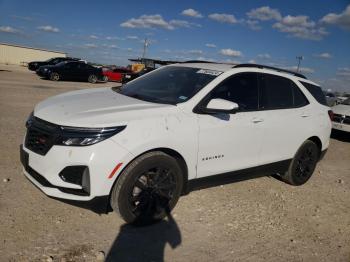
(230, 52)
(341, 20)
(231, 61)
(210, 45)
(301, 27)
(183, 23)
(113, 46)
(192, 13)
(147, 21)
(264, 13)
(48, 28)
(223, 18)
(253, 24)
(24, 18)
(323, 55)
(89, 45)
(114, 38)
(156, 21)
(252, 61)
(343, 72)
(264, 56)
(194, 52)
(8, 29)
(132, 37)
(93, 36)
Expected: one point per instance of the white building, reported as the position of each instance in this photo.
(21, 55)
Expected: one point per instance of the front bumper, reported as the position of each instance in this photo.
(100, 159)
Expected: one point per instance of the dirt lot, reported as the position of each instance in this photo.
(254, 220)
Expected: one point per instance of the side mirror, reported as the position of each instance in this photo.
(218, 105)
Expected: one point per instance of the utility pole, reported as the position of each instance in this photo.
(145, 45)
(299, 61)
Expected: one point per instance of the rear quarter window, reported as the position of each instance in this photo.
(316, 92)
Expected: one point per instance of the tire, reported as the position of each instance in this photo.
(105, 79)
(148, 189)
(92, 79)
(303, 164)
(54, 76)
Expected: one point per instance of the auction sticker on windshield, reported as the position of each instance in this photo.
(209, 72)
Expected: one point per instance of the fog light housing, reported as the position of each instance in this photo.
(78, 175)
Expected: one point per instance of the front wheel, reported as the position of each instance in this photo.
(92, 79)
(54, 76)
(148, 189)
(303, 164)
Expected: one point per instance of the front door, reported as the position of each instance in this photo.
(230, 142)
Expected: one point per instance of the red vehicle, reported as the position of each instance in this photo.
(116, 74)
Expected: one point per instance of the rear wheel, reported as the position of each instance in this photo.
(148, 188)
(303, 164)
(54, 76)
(92, 79)
(105, 79)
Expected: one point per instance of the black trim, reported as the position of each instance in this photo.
(270, 67)
(237, 176)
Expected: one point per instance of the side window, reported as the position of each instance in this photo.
(316, 92)
(240, 88)
(275, 92)
(299, 98)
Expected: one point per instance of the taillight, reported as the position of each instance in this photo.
(331, 114)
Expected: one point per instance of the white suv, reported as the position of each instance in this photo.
(140, 146)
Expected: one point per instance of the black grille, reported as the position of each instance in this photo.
(341, 119)
(41, 136)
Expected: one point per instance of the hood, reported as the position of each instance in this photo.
(98, 107)
(341, 109)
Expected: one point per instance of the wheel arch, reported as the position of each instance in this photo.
(178, 157)
(318, 142)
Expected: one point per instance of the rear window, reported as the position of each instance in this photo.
(316, 92)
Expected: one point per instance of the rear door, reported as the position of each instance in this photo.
(286, 115)
(70, 71)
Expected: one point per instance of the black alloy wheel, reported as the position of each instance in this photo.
(148, 189)
(303, 164)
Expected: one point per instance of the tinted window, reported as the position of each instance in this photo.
(171, 84)
(241, 89)
(316, 92)
(276, 92)
(298, 97)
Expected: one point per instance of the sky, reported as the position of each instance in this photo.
(266, 32)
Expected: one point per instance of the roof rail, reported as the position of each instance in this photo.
(272, 68)
(199, 61)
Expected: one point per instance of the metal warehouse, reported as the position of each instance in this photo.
(21, 55)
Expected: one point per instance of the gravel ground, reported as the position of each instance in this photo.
(259, 219)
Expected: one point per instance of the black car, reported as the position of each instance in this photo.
(33, 66)
(71, 70)
(131, 76)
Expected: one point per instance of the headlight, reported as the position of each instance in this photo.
(75, 136)
(45, 69)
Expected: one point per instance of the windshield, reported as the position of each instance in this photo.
(346, 102)
(169, 85)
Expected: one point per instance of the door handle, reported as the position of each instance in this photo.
(305, 115)
(257, 120)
